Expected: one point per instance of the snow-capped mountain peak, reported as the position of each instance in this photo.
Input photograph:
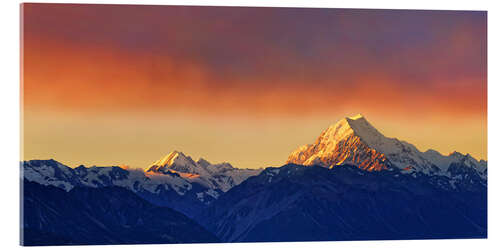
(354, 140)
(347, 141)
(176, 161)
(356, 125)
(175, 157)
(173, 177)
(363, 128)
(221, 176)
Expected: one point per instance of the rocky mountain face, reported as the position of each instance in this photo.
(353, 140)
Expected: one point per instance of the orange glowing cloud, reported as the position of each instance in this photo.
(61, 77)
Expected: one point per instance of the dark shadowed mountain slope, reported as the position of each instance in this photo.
(299, 203)
(107, 215)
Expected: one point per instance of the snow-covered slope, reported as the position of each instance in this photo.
(222, 176)
(178, 162)
(175, 180)
(354, 140)
(51, 172)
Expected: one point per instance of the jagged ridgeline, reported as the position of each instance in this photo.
(175, 181)
(352, 183)
(353, 140)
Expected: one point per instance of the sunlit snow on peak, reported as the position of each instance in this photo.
(358, 116)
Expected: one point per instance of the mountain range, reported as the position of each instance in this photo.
(353, 140)
(352, 183)
(313, 203)
(175, 181)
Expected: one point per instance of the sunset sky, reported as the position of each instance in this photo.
(125, 84)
